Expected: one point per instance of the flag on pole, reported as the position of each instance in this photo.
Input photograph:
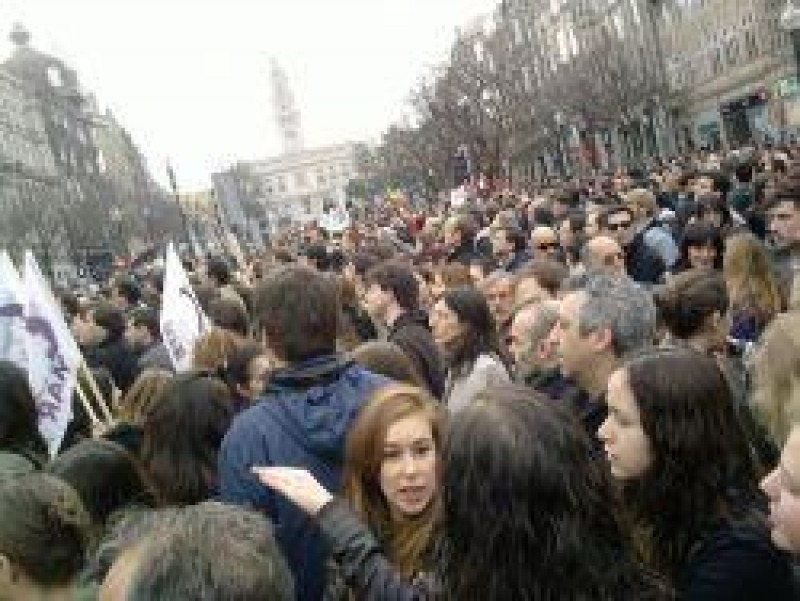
(12, 314)
(183, 321)
(53, 356)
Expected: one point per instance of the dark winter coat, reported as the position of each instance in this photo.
(301, 421)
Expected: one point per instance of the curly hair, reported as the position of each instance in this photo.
(703, 472)
(528, 513)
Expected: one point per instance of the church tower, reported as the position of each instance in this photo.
(286, 113)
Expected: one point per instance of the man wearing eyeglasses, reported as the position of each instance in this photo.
(642, 263)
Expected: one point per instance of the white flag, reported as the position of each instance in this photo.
(182, 318)
(53, 356)
(12, 314)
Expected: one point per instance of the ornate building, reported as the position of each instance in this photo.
(728, 63)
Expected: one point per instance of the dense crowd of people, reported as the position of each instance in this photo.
(586, 390)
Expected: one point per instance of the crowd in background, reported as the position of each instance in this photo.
(586, 390)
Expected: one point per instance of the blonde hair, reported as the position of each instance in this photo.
(642, 200)
(212, 350)
(143, 396)
(777, 375)
(752, 285)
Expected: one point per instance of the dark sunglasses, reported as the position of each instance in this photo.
(613, 227)
(546, 245)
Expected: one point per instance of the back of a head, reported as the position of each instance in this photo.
(777, 375)
(183, 468)
(689, 299)
(217, 269)
(129, 289)
(43, 528)
(105, 476)
(110, 318)
(297, 309)
(524, 460)
(19, 431)
(213, 552)
(387, 359)
(621, 305)
(143, 395)
(212, 349)
(229, 314)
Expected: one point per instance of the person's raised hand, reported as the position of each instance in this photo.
(297, 485)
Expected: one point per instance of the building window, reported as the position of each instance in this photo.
(54, 77)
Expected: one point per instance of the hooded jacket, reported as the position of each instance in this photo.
(301, 421)
(412, 333)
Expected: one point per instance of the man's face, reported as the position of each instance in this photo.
(452, 237)
(575, 351)
(501, 247)
(500, 297)
(519, 335)
(784, 224)
(703, 186)
(544, 242)
(119, 301)
(528, 290)
(137, 336)
(620, 227)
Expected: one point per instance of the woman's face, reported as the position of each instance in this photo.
(445, 324)
(408, 476)
(702, 256)
(782, 486)
(625, 442)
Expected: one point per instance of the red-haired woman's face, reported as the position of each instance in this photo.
(408, 474)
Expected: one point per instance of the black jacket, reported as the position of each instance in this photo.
(464, 254)
(117, 356)
(736, 563)
(643, 264)
(361, 560)
(411, 332)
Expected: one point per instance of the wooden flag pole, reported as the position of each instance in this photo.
(87, 405)
(83, 367)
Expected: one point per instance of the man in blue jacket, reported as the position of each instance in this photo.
(304, 416)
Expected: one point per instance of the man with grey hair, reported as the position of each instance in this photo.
(535, 349)
(208, 551)
(599, 324)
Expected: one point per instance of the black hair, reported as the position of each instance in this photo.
(701, 233)
(397, 279)
(229, 314)
(129, 289)
(183, 469)
(297, 309)
(527, 462)
(147, 317)
(105, 475)
(19, 430)
(110, 318)
(219, 270)
(480, 332)
(702, 470)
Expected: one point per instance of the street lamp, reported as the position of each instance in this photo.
(790, 21)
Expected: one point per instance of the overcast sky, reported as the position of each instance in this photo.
(190, 78)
